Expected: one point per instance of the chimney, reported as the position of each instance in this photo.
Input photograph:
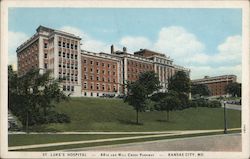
(124, 49)
(112, 49)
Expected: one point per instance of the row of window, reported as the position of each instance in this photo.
(68, 55)
(98, 87)
(98, 71)
(139, 64)
(98, 63)
(99, 79)
(68, 88)
(67, 45)
(163, 61)
(68, 66)
(64, 73)
(67, 78)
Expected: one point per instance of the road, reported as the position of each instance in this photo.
(233, 106)
(228, 142)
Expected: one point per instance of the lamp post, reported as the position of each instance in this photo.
(225, 118)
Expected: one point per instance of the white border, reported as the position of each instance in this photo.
(244, 4)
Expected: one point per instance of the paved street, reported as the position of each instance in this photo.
(233, 106)
(228, 142)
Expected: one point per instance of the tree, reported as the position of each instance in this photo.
(136, 97)
(180, 82)
(169, 103)
(200, 90)
(234, 89)
(150, 81)
(32, 95)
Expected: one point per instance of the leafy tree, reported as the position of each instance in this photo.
(136, 97)
(169, 103)
(150, 81)
(234, 89)
(180, 82)
(156, 97)
(32, 95)
(200, 90)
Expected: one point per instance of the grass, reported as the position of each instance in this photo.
(73, 146)
(30, 139)
(95, 114)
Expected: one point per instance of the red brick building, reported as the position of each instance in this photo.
(85, 73)
(217, 84)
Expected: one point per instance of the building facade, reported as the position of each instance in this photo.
(216, 84)
(85, 73)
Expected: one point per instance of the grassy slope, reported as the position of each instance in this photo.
(95, 114)
(30, 139)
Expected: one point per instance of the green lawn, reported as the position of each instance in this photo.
(71, 146)
(96, 114)
(31, 139)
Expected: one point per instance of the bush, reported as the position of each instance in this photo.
(214, 104)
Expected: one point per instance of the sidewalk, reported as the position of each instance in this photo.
(157, 134)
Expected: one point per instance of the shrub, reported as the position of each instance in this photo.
(214, 104)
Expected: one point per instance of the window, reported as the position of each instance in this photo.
(91, 94)
(63, 44)
(108, 65)
(114, 89)
(64, 87)
(68, 65)
(103, 87)
(45, 55)
(91, 62)
(103, 71)
(72, 56)
(97, 94)
(85, 94)
(91, 77)
(75, 47)
(97, 78)
(103, 64)
(68, 55)
(113, 66)
(103, 79)
(84, 61)
(68, 88)
(85, 69)
(113, 73)
(63, 54)
(85, 85)
(91, 87)
(71, 46)
(97, 71)
(97, 86)
(45, 65)
(114, 80)
(72, 88)
(97, 63)
(63, 65)
(91, 69)
(60, 53)
(85, 77)
(75, 56)
(67, 45)
(45, 45)
(59, 43)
